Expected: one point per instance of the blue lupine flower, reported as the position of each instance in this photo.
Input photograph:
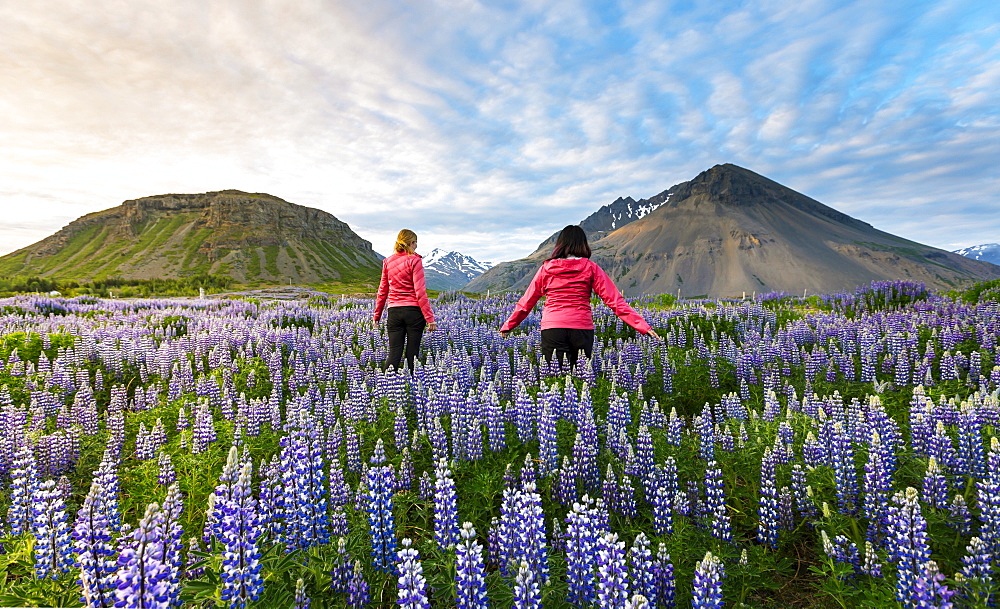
(143, 576)
(663, 579)
(24, 484)
(908, 546)
(357, 589)
(929, 590)
(380, 518)
(527, 594)
(977, 570)
(445, 508)
(167, 475)
(51, 530)
(470, 582)
(641, 568)
(708, 574)
(240, 535)
(581, 552)
(767, 510)
(959, 516)
(612, 573)
(95, 552)
(877, 485)
(301, 600)
(935, 487)
(715, 503)
(412, 585)
(872, 565)
(522, 531)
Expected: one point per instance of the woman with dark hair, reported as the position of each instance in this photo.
(567, 280)
(409, 312)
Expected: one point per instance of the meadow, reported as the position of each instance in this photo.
(835, 451)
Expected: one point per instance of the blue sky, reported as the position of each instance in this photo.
(487, 126)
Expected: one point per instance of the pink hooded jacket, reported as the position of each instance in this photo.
(567, 284)
(403, 285)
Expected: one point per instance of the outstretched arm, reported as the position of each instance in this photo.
(606, 289)
(525, 304)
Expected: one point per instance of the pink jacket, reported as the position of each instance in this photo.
(567, 284)
(403, 284)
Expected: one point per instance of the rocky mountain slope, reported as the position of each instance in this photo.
(987, 252)
(451, 270)
(730, 231)
(249, 237)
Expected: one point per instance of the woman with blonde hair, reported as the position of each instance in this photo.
(409, 311)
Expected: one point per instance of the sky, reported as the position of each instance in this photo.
(487, 126)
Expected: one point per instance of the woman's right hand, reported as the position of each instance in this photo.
(432, 326)
(654, 335)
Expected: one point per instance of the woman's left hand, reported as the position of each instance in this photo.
(432, 326)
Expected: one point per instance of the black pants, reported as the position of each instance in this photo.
(567, 342)
(404, 323)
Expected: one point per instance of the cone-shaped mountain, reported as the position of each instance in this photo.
(730, 231)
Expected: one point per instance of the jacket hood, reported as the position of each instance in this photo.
(566, 266)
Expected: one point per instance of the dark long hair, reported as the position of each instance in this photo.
(572, 241)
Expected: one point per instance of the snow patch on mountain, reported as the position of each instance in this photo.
(446, 270)
(987, 252)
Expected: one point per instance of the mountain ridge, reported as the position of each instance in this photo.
(730, 231)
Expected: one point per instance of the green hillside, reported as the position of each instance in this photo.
(248, 238)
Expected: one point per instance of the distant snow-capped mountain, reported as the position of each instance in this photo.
(451, 270)
(987, 252)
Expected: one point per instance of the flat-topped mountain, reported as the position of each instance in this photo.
(731, 231)
(249, 237)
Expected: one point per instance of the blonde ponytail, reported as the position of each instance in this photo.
(404, 241)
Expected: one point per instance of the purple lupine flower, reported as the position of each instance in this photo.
(143, 576)
(527, 594)
(929, 590)
(173, 507)
(52, 534)
(412, 585)
(767, 510)
(95, 552)
(357, 588)
(715, 503)
(663, 579)
(445, 508)
(380, 518)
(582, 534)
(708, 574)
(470, 582)
(908, 546)
(641, 568)
(240, 534)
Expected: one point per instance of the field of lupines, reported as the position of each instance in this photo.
(835, 452)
